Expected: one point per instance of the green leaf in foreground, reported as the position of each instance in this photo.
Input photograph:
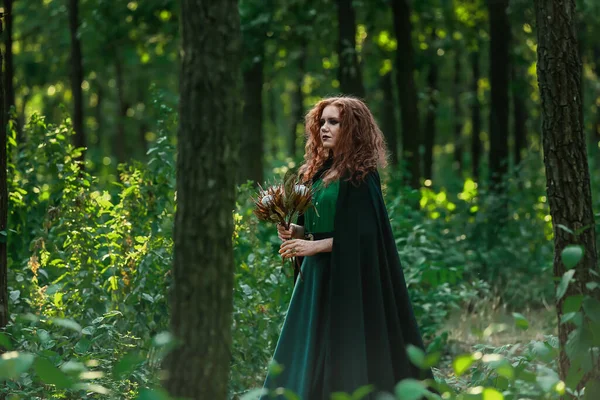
(67, 323)
(571, 255)
(13, 364)
(520, 321)
(50, 374)
(564, 284)
(462, 363)
(411, 389)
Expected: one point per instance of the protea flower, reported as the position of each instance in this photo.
(282, 203)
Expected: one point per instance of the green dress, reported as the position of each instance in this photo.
(350, 320)
(300, 347)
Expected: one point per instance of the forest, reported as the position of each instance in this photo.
(133, 135)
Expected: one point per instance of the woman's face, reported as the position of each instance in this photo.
(330, 126)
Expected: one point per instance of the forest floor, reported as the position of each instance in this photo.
(489, 327)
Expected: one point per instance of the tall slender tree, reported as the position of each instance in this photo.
(76, 75)
(251, 166)
(407, 91)
(9, 72)
(388, 116)
(519, 96)
(476, 146)
(349, 73)
(565, 159)
(298, 99)
(499, 80)
(3, 203)
(208, 143)
(458, 117)
(431, 114)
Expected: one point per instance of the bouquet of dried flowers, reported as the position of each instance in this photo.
(282, 203)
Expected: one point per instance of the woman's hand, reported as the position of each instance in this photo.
(295, 232)
(299, 248)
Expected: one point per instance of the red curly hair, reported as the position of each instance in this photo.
(360, 146)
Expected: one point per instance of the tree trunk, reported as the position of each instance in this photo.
(120, 141)
(388, 117)
(596, 131)
(430, 118)
(298, 102)
(76, 77)
(519, 95)
(99, 115)
(407, 92)
(475, 116)
(208, 142)
(499, 80)
(349, 73)
(252, 129)
(9, 73)
(458, 122)
(565, 158)
(3, 205)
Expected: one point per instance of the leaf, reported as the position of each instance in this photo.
(362, 392)
(592, 388)
(591, 307)
(13, 364)
(462, 363)
(153, 394)
(83, 346)
(416, 355)
(255, 394)
(163, 339)
(564, 284)
(564, 228)
(492, 394)
(547, 382)
(520, 321)
(5, 341)
(572, 303)
(127, 365)
(571, 255)
(592, 285)
(569, 317)
(67, 323)
(411, 389)
(50, 374)
(92, 387)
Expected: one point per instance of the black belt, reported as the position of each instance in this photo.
(318, 235)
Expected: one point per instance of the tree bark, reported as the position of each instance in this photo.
(3, 204)
(458, 122)
(349, 73)
(9, 73)
(298, 102)
(120, 141)
(596, 131)
(208, 142)
(430, 118)
(252, 129)
(565, 158)
(519, 95)
(475, 116)
(499, 79)
(407, 92)
(388, 117)
(76, 77)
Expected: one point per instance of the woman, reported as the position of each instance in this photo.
(350, 318)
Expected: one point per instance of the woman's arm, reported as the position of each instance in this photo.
(304, 248)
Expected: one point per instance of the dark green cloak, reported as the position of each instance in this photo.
(368, 319)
